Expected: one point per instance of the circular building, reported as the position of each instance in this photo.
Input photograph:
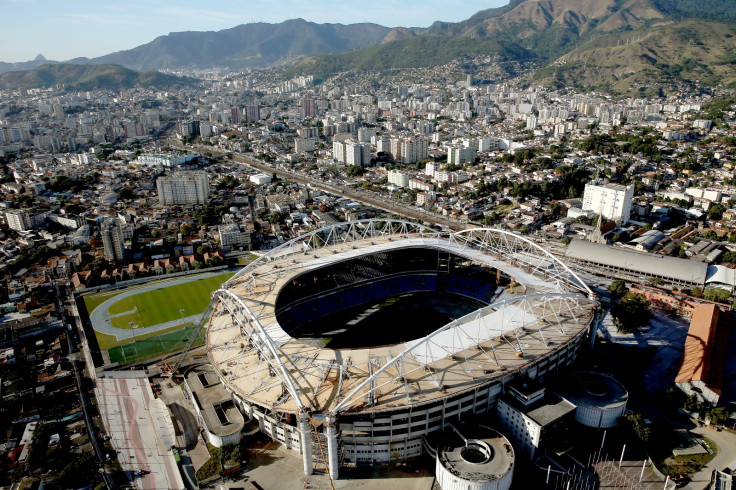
(485, 462)
(370, 334)
(599, 398)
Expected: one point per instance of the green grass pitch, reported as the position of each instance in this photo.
(154, 346)
(163, 303)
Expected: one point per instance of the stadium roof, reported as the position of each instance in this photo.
(258, 360)
(644, 263)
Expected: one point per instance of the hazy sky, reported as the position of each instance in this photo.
(65, 29)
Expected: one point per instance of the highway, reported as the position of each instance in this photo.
(372, 199)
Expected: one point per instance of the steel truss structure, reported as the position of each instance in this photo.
(546, 307)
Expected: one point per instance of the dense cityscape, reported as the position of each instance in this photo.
(185, 272)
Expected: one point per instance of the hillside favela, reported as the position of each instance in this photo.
(285, 246)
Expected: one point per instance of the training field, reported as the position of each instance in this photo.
(154, 346)
(155, 308)
(162, 304)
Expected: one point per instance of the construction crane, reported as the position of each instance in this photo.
(169, 371)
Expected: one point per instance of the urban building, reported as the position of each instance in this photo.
(399, 179)
(252, 113)
(456, 155)
(218, 416)
(309, 105)
(113, 240)
(533, 417)
(18, 220)
(233, 236)
(612, 201)
(704, 357)
(181, 188)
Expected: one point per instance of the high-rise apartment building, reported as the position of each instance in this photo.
(183, 188)
(461, 155)
(235, 115)
(413, 150)
(350, 152)
(113, 240)
(612, 201)
(18, 220)
(252, 113)
(309, 105)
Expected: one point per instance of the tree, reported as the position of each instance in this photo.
(126, 193)
(82, 469)
(718, 416)
(692, 404)
(716, 294)
(355, 170)
(617, 288)
(716, 212)
(631, 313)
(711, 235)
(274, 217)
(655, 281)
(186, 229)
(638, 426)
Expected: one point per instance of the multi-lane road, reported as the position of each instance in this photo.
(367, 197)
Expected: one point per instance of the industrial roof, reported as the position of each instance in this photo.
(644, 263)
(592, 389)
(720, 274)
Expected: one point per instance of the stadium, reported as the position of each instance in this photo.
(354, 342)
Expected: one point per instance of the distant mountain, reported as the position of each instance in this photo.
(417, 51)
(25, 65)
(88, 77)
(558, 32)
(397, 34)
(647, 61)
(248, 45)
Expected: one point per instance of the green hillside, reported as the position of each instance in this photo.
(88, 77)
(418, 51)
(621, 46)
(645, 61)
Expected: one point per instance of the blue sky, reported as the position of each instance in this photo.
(65, 29)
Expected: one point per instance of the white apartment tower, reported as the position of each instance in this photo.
(612, 201)
(113, 240)
(461, 155)
(398, 179)
(18, 220)
(350, 152)
(183, 188)
(413, 150)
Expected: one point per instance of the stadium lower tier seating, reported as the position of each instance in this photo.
(342, 297)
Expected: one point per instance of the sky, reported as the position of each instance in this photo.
(66, 29)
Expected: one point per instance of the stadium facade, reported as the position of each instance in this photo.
(364, 397)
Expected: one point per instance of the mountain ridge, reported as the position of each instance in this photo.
(546, 31)
(541, 32)
(88, 77)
